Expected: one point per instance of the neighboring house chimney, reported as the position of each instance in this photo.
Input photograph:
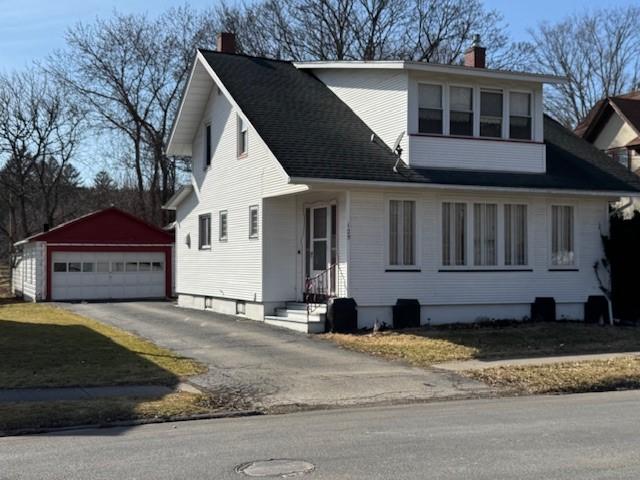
(475, 55)
(226, 42)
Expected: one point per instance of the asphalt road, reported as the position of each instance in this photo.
(590, 436)
(263, 367)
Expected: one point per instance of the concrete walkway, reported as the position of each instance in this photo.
(482, 364)
(83, 393)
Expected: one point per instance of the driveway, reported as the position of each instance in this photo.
(268, 368)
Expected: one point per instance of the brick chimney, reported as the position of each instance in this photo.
(226, 42)
(475, 55)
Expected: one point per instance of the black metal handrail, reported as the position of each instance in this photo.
(319, 288)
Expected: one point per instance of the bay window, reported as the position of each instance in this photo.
(515, 234)
(461, 111)
(520, 115)
(430, 108)
(402, 232)
(454, 226)
(485, 228)
(491, 113)
(562, 235)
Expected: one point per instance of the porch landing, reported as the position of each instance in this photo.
(301, 317)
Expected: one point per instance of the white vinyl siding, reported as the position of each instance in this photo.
(562, 236)
(454, 234)
(29, 275)
(515, 235)
(402, 232)
(485, 234)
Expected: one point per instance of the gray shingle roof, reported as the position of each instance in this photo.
(313, 134)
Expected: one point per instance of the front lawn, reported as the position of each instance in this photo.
(46, 346)
(427, 346)
(569, 377)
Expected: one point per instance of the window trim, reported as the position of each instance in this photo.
(201, 245)
(241, 122)
(256, 235)
(575, 266)
(416, 265)
(508, 115)
(445, 109)
(208, 151)
(469, 224)
(224, 238)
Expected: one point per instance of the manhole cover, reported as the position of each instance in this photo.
(275, 468)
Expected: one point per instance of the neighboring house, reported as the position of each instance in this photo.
(108, 254)
(613, 126)
(296, 194)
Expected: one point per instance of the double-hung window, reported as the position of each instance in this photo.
(520, 116)
(485, 234)
(243, 136)
(207, 145)
(204, 231)
(461, 111)
(222, 226)
(491, 113)
(454, 234)
(562, 236)
(253, 221)
(430, 108)
(515, 235)
(402, 232)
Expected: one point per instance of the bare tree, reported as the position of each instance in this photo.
(131, 71)
(597, 52)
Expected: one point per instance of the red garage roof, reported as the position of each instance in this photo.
(109, 226)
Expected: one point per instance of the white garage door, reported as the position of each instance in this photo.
(102, 275)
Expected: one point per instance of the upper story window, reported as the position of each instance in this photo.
(207, 145)
(243, 136)
(520, 116)
(430, 116)
(621, 155)
(204, 231)
(461, 111)
(491, 113)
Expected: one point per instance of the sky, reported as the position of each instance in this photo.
(31, 29)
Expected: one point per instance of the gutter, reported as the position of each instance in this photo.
(440, 186)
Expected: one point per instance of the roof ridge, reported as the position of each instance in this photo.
(207, 50)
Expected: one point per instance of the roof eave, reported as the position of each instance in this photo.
(178, 197)
(443, 186)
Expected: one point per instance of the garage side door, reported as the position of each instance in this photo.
(107, 275)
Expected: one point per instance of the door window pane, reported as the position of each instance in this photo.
(454, 227)
(520, 116)
(75, 267)
(132, 266)
(430, 108)
(158, 266)
(117, 267)
(515, 235)
(103, 267)
(320, 222)
(144, 267)
(88, 267)
(461, 111)
(485, 226)
(320, 255)
(491, 114)
(59, 267)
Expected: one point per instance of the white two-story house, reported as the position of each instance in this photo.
(298, 193)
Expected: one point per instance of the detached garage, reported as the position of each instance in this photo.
(105, 255)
